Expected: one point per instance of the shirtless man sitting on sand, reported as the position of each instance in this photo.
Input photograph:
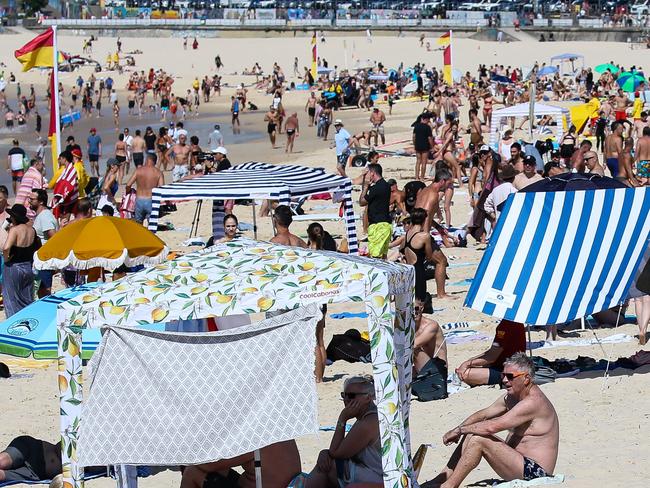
(280, 465)
(282, 219)
(146, 178)
(429, 340)
(530, 449)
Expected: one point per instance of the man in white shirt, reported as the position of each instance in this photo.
(215, 139)
(178, 132)
(15, 165)
(342, 143)
(529, 175)
(497, 198)
(128, 140)
(45, 225)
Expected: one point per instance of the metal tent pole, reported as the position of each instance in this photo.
(258, 469)
(254, 221)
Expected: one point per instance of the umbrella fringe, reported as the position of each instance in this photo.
(99, 262)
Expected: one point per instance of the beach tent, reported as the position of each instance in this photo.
(247, 277)
(523, 110)
(567, 63)
(255, 180)
(558, 256)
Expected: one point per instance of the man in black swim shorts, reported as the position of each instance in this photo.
(531, 447)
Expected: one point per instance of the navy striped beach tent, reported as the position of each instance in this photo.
(557, 256)
(254, 180)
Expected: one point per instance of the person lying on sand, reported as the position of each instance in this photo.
(531, 447)
(280, 465)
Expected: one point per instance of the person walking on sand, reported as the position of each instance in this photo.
(234, 110)
(271, 119)
(293, 130)
(310, 108)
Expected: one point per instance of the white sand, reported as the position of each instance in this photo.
(602, 422)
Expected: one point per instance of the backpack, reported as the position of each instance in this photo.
(350, 347)
(411, 190)
(431, 382)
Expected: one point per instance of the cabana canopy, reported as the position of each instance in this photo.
(246, 277)
(255, 180)
(563, 60)
(523, 110)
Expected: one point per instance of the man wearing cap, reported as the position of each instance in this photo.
(94, 151)
(146, 178)
(637, 107)
(529, 175)
(221, 158)
(377, 119)
(342, 144)
(15, 165)
(376, 195)
(215, 139)
(497, 198)
(422, 143)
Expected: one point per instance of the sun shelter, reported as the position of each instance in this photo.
(255, 180)
(246, 277)
(523, 110)
(567, 63)
(558, 256)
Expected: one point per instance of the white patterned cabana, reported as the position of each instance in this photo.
(523, 110)
(255, 180)
(246, 277)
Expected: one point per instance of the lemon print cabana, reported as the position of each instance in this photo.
(247, 277)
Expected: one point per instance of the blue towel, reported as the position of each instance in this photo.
(349, 315)
(461, 265)
(466, 282)
(330, 428)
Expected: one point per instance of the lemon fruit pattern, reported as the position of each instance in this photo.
(245, 277)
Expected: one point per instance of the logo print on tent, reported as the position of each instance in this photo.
(22, 327)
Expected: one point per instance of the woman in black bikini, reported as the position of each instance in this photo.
(417, 250)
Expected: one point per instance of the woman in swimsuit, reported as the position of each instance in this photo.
(120, 155)
(487, 109)
(161, 148)
(417, 250)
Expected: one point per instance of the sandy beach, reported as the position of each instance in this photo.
(603, 421)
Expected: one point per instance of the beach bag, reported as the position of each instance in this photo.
(431, 382)
(350, 347)
(543, 374)
(411, 190)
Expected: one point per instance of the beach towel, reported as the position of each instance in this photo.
(196, 398)
(66, 191)
(47, 482)
(548, 480)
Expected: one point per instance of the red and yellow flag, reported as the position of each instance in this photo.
(37, 53)
(445, 41)
(314, 56)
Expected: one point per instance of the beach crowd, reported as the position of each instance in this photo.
(412, 224)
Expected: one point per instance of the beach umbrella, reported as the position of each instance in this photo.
(324, 71)
(33, 329)
(601, 68)
(547, 70)
(105, 242)
(501, 79)
(629, 81)
(573, 182)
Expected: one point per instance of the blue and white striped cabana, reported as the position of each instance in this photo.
(559, 256)
(255, 180)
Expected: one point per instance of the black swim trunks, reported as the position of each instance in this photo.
(533, 470)
(215, 480)
(290, 131)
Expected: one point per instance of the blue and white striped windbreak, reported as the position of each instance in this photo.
(556, 257)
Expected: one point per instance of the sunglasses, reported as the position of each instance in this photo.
(351, 396)
(512, 376)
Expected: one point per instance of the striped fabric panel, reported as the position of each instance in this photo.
(556, 257)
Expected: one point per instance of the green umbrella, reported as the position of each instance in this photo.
(601, 68)
(630, 80)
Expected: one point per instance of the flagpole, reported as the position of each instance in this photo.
(451, 58)
(55, 100)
